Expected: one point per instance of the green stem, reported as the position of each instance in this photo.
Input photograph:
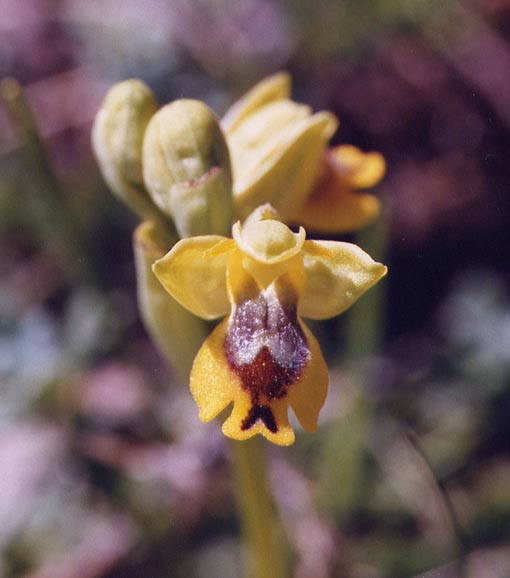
(263, 533)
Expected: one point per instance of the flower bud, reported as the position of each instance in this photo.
(117, 138)
(186, 168)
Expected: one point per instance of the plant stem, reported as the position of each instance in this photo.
(263, 533)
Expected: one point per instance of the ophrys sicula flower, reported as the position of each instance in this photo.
(262, 357)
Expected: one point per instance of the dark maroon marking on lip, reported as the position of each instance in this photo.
(271, 329)
(262, 412)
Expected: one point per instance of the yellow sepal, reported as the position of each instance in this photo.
(337, 274)
(194, 272)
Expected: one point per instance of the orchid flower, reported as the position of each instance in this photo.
(262, 357)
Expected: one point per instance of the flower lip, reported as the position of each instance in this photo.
(266, 347)
(268, 241)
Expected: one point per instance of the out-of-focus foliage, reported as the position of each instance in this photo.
(106, 470)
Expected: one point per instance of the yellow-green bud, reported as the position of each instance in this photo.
(186, 168)
(117, 138)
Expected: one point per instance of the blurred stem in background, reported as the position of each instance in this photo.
(46, 201)
(462, 540)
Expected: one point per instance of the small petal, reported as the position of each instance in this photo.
(272, 88)
(247, 276)
(268, 241)
(332, 207)
(194, 273)
(337, 274)
(359, 170)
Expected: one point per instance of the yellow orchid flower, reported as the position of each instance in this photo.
(262, 357)
(279, 154)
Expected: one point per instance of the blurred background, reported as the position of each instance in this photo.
(105, 470)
